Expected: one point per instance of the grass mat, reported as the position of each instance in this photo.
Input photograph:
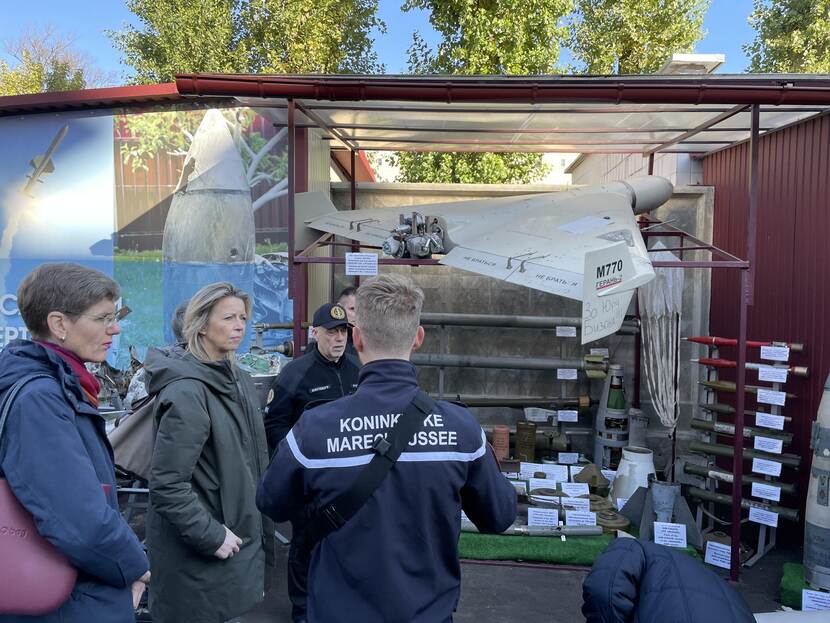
(792, 582)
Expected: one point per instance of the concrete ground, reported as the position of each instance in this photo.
(499, 592)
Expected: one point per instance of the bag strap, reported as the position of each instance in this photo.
(12, 394)
(387, 451)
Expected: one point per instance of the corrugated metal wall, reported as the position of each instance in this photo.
(793, 259)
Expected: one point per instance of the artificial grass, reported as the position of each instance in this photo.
(792, 583)
(575, 550)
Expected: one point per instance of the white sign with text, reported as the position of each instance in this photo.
(361, 264)
(670, 534)
(775, 353)
(771, 397)
(759, 515)
(763, 466)
(767, 492)
(542, 517)
(769, 420)
(718, 554)
(580, 518)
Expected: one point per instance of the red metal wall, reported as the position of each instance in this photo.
(792, 276)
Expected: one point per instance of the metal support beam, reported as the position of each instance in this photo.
(752, 221)
(738, 458)
(295, 288)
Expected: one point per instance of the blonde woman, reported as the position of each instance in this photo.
(204, 533)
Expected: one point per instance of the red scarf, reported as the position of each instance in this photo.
(89, 383)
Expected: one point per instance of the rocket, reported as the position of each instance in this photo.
(728, 363)
(710, 340)
(43, 165)
(817, 513)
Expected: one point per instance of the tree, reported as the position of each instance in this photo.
(633, 36)
(45, 60)
(484, 37)
(792, 36)
(249, 36)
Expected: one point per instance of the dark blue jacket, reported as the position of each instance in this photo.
(396, 560)
(639, 582)
(56, 457)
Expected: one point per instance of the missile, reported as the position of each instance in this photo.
(43, 165)
(728, 341)
(723, 428)
(717, 407)
(817, 513)
(728, 363)
(725, 476)
(717, 449)
(726, 500)
(729, 386)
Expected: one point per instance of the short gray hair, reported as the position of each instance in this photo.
(389, 312)
(198, 311)
(67, 288)
(177, 322)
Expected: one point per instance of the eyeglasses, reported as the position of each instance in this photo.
(108, 320)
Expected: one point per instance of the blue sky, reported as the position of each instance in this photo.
(87, 20)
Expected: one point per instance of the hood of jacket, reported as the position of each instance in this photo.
(21, 358)
(174, 363)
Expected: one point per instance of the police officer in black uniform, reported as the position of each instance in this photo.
(322, 374)
(395, 555)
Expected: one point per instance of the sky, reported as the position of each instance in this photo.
(87, 21)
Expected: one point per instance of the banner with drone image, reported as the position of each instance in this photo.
(165, 202)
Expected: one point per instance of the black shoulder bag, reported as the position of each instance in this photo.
(387, 451)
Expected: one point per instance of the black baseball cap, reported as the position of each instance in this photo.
(329, 316)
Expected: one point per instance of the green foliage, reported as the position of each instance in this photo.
(634, 36)
(249, 36)
(484, 37)
(792, 36)
(469, 168)
(43, 60)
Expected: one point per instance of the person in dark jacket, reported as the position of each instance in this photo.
(396, 559)
(643, 582)
(322, 374)
(54, 452)
(348, 301)
(205, 537)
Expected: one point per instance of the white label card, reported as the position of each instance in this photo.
(565, 331)
(580, 518)
(775, 353)
(600, 351)
(575, 469)
(566, 374)
(541, 483)
(763, 466)
(775, 446)
(771, 397)
(568, 458)
(535, 414)
(759, 515)
(768, 420)
(559, 473)
(767, 492)
(670, 534)
(361, 264)
(542, 517)
(576, 504)
(575, 489)
(814, 601)
(621, 502)
(610, 474)
(771, 374)
(520, 486)
(567, 415)
(718, 554)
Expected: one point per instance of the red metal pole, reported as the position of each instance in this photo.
(651, 164)
(355, 245)
(752, 221)
(295, 289)
(738, 459)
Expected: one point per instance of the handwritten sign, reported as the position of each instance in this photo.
(567, 458)
(575, 489)
(772, 374)
(565, 331)
(603, 309)
(814, 601)
(763, 466)
(768, 420)
(670, 534)
(580, 518)
(567, 415)
(759, 515)
(361, 264)
(767, 492)
(775, 353)
(771, 397)
(566, 374)
(542, 517)
(766, 444)
(718, 554)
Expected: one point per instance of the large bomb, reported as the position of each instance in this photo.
(817, 513)
(209, 234)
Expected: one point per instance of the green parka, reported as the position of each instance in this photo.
(208, 457)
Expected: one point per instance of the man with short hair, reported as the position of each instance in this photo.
(322, 374)
(395, 558)
(348, 301)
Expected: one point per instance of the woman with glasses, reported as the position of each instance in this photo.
(54, 452)
(205, 536)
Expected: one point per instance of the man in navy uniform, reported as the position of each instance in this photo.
(396, 558)
(323, 373)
